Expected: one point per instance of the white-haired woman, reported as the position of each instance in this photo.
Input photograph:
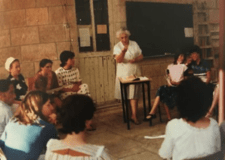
(127, 53)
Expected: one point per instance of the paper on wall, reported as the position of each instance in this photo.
(188, 32)
(84, 37)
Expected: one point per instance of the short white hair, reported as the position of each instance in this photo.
(122, 31)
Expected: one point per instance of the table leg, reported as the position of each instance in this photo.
(122, 98)
(149, 102)
(144, 105)
(127, 106)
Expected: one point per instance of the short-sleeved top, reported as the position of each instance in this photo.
(26, 142)
(66, 77)
(201, 69)
(183, 141)
(82, 152)
(19, 84)
(176, 71)
(5, 115)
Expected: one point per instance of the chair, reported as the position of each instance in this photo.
(215, 156)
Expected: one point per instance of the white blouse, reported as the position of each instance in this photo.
(183, 141)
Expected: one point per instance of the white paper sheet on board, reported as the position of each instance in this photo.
(84, 37)
(188, 32)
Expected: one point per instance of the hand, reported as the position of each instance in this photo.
(76, 87)
(52, 118)
(124, 49)
(132, 60)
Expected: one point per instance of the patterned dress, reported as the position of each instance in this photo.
(67, 78)
(20, 86)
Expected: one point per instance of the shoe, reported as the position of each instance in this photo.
(150, 116)
(135, 121)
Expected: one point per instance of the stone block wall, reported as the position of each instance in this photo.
(31, 30)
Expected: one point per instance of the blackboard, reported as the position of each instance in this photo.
(158, 28)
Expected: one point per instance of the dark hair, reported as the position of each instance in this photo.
(177, 56)
(4, 85)
(193, 99)
(64, 56)
(31, 107)
(43, 62)
(196, 49)
(76, 109)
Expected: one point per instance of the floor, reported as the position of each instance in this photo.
(124, 144)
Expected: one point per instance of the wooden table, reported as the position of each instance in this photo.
(123, 86)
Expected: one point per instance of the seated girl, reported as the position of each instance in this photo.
(76, 111)
(167, 93)
(69, 76)
(12, 65)
(29, 131)
(45, 74)
(193, 135)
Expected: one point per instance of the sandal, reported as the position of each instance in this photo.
(135, 121)
(150, 116)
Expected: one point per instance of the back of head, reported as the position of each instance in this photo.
(64, 56)
(31, 107)
(176, 56)
(193, 99)
(4, 85)
(76, 109)
(41, 83)
(43, 62)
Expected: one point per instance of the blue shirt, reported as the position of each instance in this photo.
(5, 115)
(26, 142)
(201, 69)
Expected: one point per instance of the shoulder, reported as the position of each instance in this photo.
(59, 70)
(52, 143)
(21, 76)
(214, 123)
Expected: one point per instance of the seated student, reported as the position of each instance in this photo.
(193, 135)
(28, 132)
(45, 74)
(13, 66)
(167, 93)
(76, 111)
(69, 76)
(7, 97)
(201, 67)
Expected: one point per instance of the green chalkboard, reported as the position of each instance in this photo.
(158, 28)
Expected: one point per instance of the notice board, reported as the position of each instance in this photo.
(159, 28)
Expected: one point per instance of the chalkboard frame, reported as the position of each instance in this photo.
(164, 33)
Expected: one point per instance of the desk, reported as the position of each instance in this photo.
(123, 86)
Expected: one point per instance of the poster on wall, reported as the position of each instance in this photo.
(84, 37)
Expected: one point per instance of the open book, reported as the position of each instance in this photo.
(134, 78)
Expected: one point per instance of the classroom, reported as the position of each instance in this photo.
(32, 30)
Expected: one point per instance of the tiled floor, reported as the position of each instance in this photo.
(126, 144)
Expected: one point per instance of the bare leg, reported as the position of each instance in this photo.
(134, 105)
(214, 102)
(167, 112)
(155, 105)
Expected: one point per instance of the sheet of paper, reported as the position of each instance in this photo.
(154, 137)
(102, 29)
(188, 32)
(84, 37)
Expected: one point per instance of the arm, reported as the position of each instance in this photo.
(139, 58)
(208, 77)
(119, 58)
(214, 102)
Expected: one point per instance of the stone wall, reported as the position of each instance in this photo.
(31, 30)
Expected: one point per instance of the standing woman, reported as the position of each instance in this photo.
(45, 72)
(28, 132)
(127, 53)
(12, 65)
